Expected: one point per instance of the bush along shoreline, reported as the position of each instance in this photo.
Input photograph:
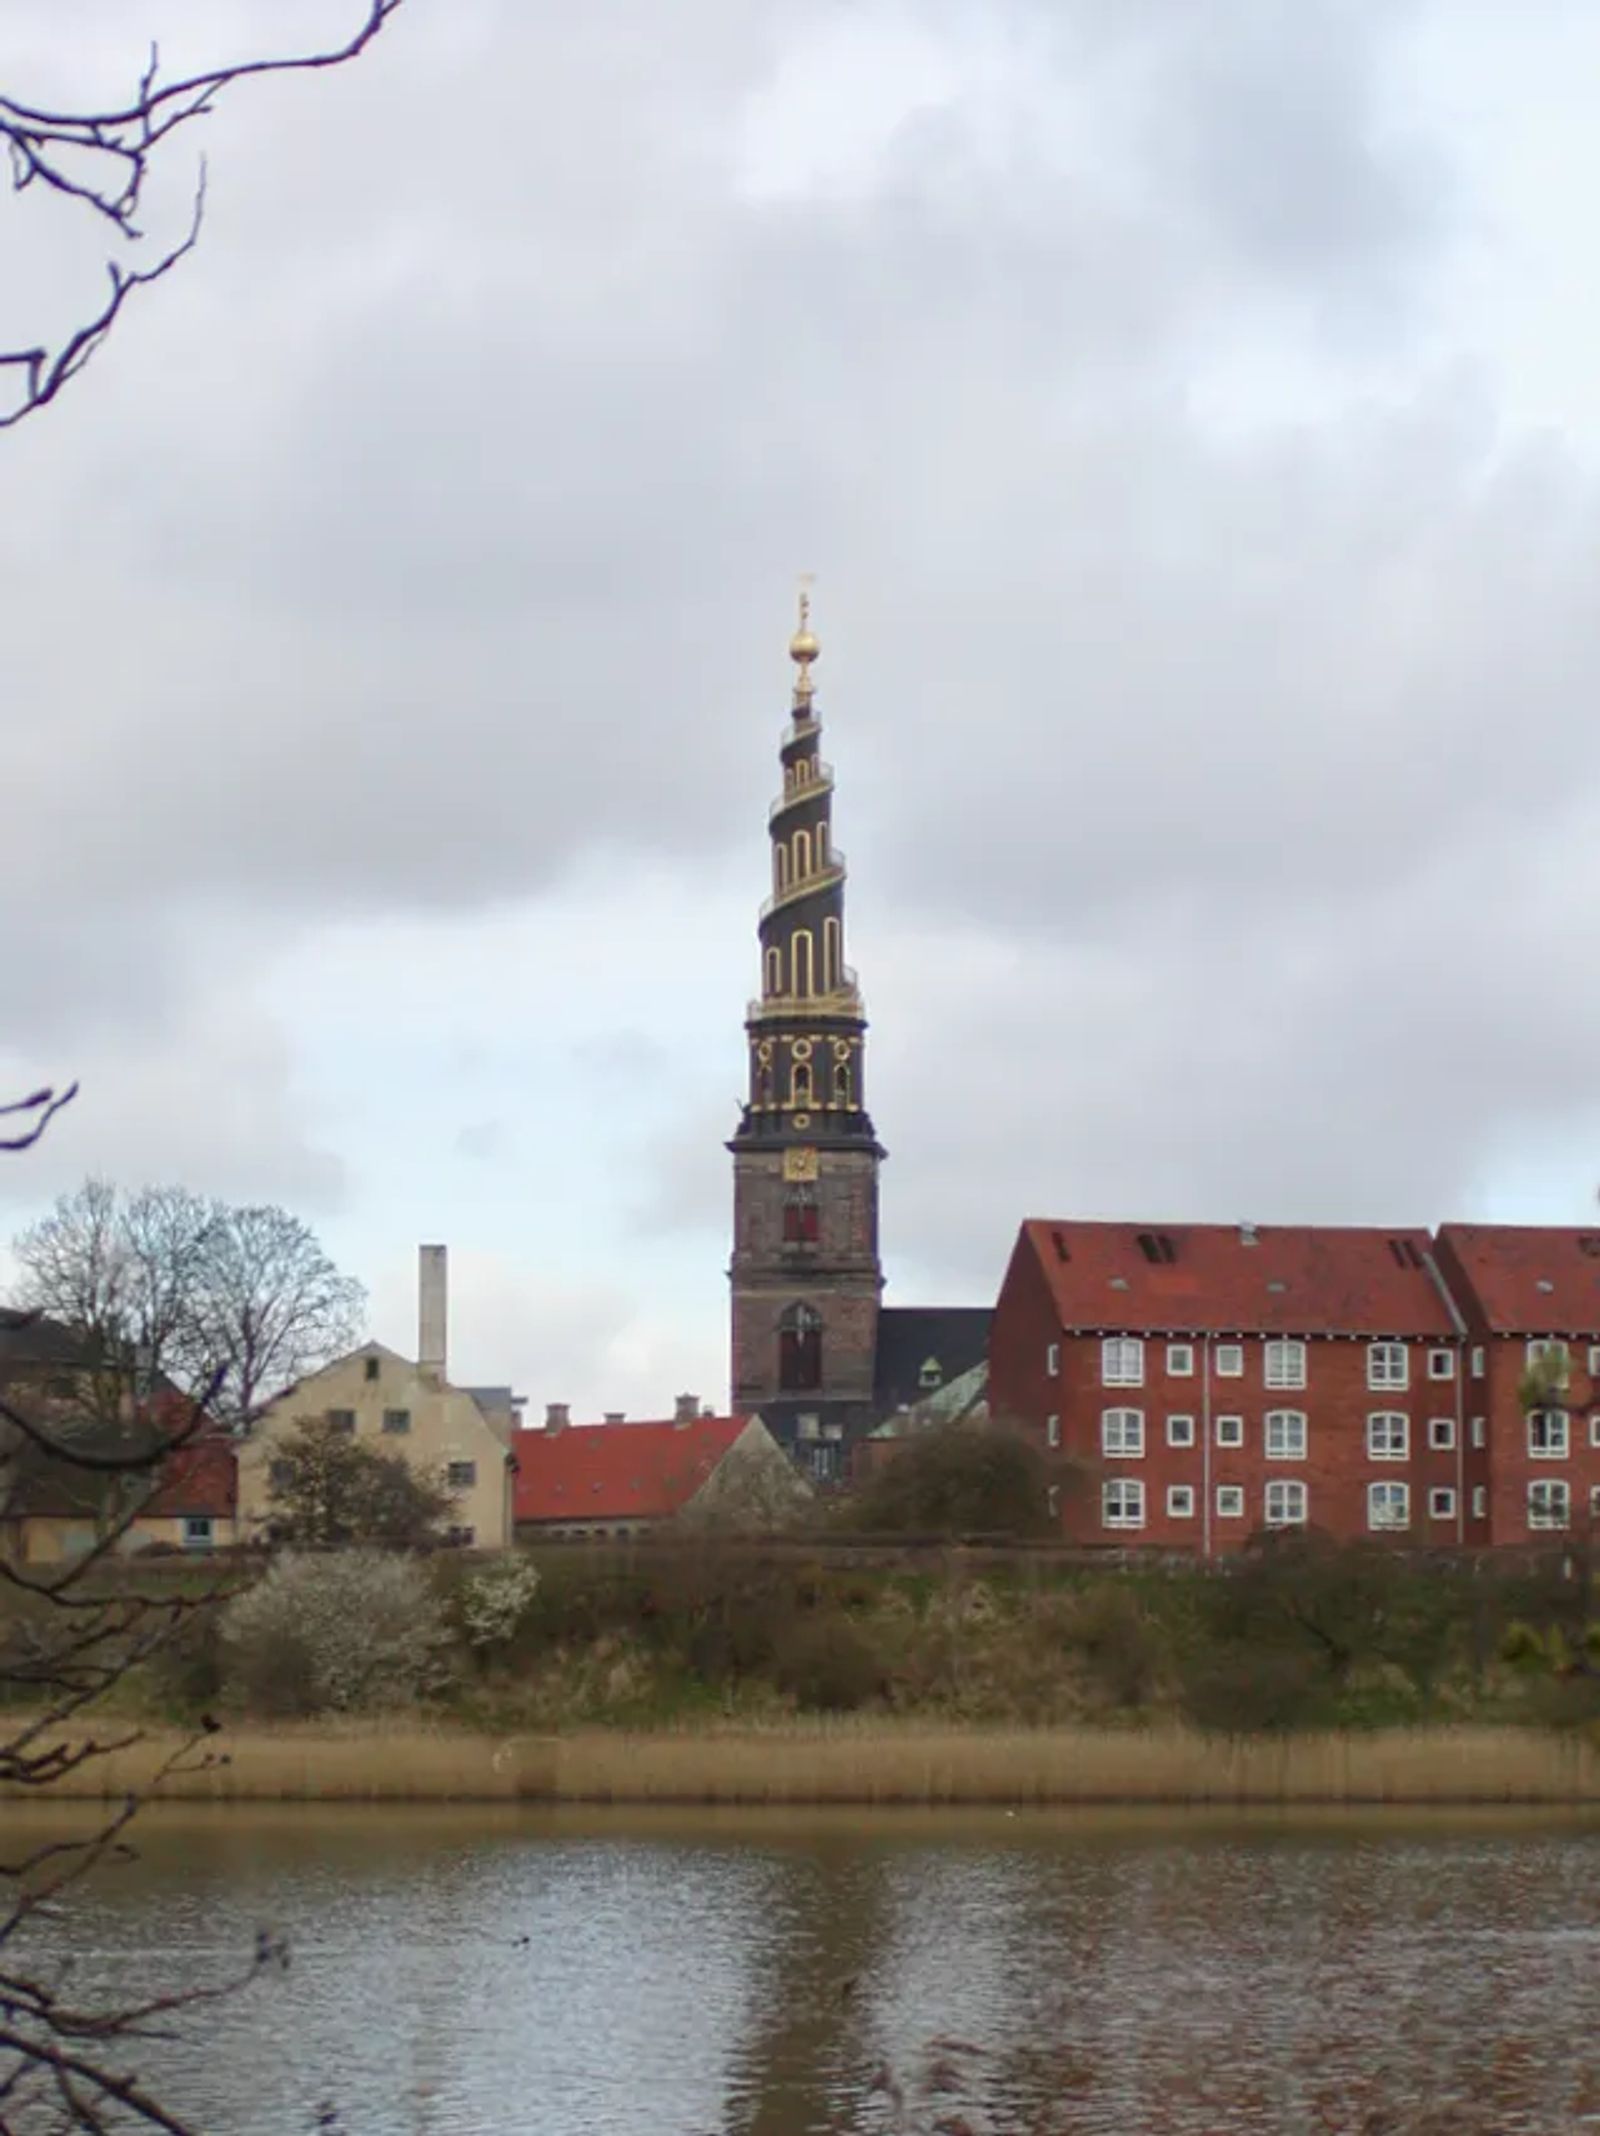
(1297, 1641)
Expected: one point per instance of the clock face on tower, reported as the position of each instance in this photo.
(800, 1166)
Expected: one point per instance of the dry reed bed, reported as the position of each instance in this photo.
(862, 1763)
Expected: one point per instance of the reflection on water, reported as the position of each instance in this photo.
(750, 1976)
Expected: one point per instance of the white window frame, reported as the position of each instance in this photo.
(1381, 1444)
(1557, 1346)
(1228, 1358)
(1441, 1435)
(1549, 1504)
(1556, 1430)
(1230, 1501)
(1180, 1360)
(1180, 1501)
(1388, 1505)
(1283, 1363)
(1052, 1430)
(1442, 1502)
(1230, 1431)
(1594, 1360)
(1052, 1360)
(1480, 1501)
(1127, 1492)
(1052, 1500)
(1480, 1431)
(1594, 1501)
(1388, 1365)
(1122, 1361)
(1183, 1437)
(1478, 1361)
(1287, 1490)
(1594, 1427)
(1289, 1427)
(1441, 1364)
(1125, 1427)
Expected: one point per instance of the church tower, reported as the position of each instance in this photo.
(806, 1276)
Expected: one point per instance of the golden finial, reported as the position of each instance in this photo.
(803, 647)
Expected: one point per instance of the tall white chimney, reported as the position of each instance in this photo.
(433, 1303)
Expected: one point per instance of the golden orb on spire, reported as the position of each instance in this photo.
(803, 645)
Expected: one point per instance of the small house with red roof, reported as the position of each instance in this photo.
(621, 1478)
(1211, 1380)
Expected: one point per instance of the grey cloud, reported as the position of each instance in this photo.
(426, 535)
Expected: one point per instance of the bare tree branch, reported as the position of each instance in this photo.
(100, 162)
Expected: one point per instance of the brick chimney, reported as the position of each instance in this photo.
(616, 1416)
(557, 1415)
(688, 1409)
(433, 1312)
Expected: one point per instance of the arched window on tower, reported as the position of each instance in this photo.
(801, 1087)
(831, 958)
(802, 855)
(800, 1350)
(763, 1082)
(780, 868)
(801, 1217)
(802, 951)
(843, 1088)
(774, 971)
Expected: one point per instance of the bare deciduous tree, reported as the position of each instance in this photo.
(166, 1288)
(101, 161)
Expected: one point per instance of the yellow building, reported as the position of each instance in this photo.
(460, 1436)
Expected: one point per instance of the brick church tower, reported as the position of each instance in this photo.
(806, 1276)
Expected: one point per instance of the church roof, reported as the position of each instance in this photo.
(597, 1472)
(915, 1341)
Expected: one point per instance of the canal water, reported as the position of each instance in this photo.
(745, 1974)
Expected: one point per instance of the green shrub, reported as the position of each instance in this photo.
(1238, 1691)
(826, 1665)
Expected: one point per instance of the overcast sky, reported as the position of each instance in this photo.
(1192, 415)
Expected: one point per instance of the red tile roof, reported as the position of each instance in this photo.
(617, 1471)
(1299, 1279)
(1525, 1279)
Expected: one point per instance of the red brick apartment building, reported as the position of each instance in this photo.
(1214, 1380)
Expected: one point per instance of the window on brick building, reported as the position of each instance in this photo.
(1180, 1431)
(1180, 1501)
(1180, 1359)
(1286, 1435)
(1122, 1361)
(1122, 1433)
(1441, 1364)
(1287, 1505)
(800, 1349)
(1285, 1364)
(1388, 1365)
(1122, 1503)
(1388, 1435)
(1594, 1501)
(1441, 1434)
(801, 1217)
(1230, 1431)
(1388, 1505)
(1230, 1360)
(1549, 1503)
(1550, 1350)
(1230, 1501)
(1594, 1427)
(1052, 1431)
(1052, 1360)
(1477, 1360)
(1479, 1432)
(1441, 1503)
(1480, 1501)
(1594, 1360)
(1052, 1500)
(1548, 1436)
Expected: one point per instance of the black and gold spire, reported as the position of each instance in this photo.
(808, 1029)
(805, 1271)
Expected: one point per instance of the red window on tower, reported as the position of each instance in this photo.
(801, 1217)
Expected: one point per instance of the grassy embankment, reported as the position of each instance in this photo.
(713, 1672)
